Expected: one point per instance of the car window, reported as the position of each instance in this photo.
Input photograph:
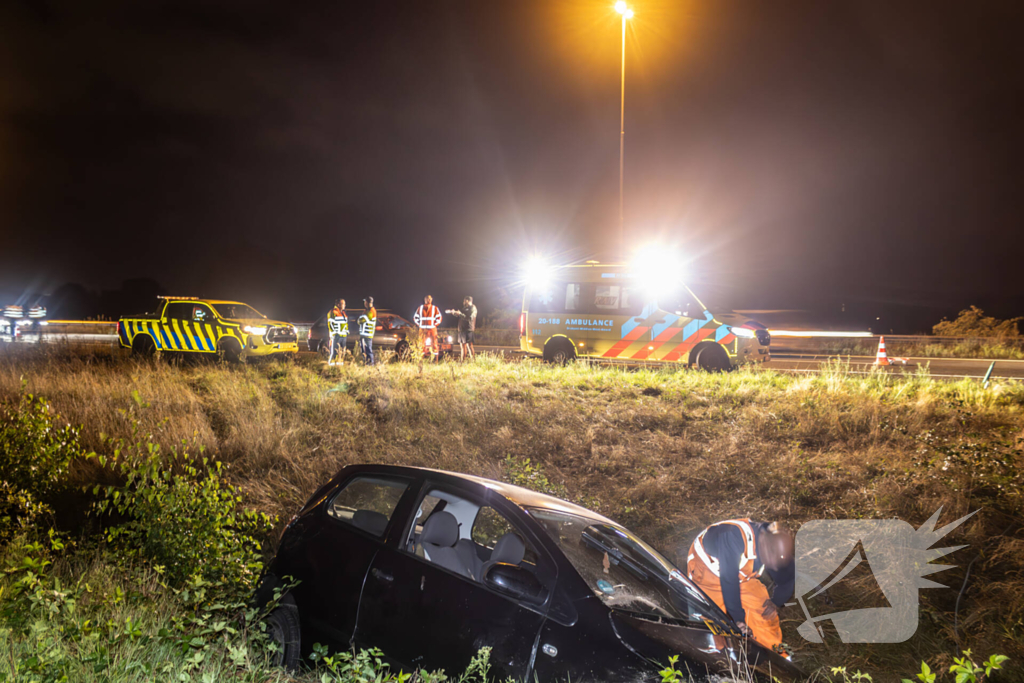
(616, 299)
(178, 311)
(201, 314)
(572, 297)
(367, 503)
(624, 572)
(490, 525)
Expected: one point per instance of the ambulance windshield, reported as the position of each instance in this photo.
(624, 572)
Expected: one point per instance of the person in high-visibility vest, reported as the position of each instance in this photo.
(427, 318)
(727, 561)
(367, 327)
(337, 327)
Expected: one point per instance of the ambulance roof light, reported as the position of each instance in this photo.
(537, 273)
(658, 268)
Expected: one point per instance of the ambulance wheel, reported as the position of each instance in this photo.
(713, 358)
(559, 352)
(402, 350)
(230, 351)
(143, 346)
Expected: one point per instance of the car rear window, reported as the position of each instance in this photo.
(367, 503)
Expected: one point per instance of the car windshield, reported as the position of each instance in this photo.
(626, 573)
(237, 311)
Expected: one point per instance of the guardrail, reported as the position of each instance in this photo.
(105, 331)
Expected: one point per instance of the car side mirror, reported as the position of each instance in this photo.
(516, 582)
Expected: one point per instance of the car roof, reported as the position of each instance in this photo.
(522, 497)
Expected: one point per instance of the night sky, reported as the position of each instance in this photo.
(800, 154)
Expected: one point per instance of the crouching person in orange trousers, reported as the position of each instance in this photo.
(727, 561)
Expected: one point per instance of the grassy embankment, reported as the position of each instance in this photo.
(664, 452)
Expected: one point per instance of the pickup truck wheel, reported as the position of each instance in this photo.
(231, 351)
(559, 351)
(285, 633)
(713, 358)
(143, 346)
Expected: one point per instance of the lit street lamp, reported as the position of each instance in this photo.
(627, 14)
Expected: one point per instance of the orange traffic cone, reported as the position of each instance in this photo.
(882, 358)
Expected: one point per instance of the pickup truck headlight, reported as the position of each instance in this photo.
(255, 329)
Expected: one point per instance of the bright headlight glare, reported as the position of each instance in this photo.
(255, 329)
(744, 332)
(537, 274)
(658, 269)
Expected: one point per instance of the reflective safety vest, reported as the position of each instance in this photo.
(368, 323)
(746, 559)
(337, 322)
(427, 317)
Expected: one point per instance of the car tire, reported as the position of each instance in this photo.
(143, 346)
(284, 630)
(324, 349)
(713, 358)
(559, 351)
(230, 351)
(402, 350)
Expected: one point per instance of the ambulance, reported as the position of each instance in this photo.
(630, 313)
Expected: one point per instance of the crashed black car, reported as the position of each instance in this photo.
(430, 566)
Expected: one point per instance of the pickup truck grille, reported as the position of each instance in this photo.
(280, 335)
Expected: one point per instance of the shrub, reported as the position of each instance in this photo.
(181, 515)
(972, 322)
(35, 455)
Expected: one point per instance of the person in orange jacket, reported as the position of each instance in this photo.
(727, 561)
(427, 319)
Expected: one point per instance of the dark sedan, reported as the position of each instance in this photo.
(431, 566)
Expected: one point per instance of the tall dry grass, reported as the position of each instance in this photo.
(664, 452)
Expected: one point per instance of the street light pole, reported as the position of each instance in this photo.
(626, 13)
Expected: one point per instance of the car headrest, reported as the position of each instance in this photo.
(509, 548)
(442, 529)
(371, 521)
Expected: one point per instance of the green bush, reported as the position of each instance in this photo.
(35, 454)
(181, 515)
(972, 322)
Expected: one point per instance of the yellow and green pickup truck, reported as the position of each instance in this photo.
(187, 325)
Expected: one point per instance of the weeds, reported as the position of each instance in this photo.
(665, 452)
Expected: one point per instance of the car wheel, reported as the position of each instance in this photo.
(713, 358)
(230, 351)
(285, 633)
(559, 352)
(324, 349)
(143, 346)
(402, 350)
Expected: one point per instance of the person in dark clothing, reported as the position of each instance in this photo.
(727, 560)
(467, 326)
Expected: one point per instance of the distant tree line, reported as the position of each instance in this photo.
(72, 301)
(972, 322)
